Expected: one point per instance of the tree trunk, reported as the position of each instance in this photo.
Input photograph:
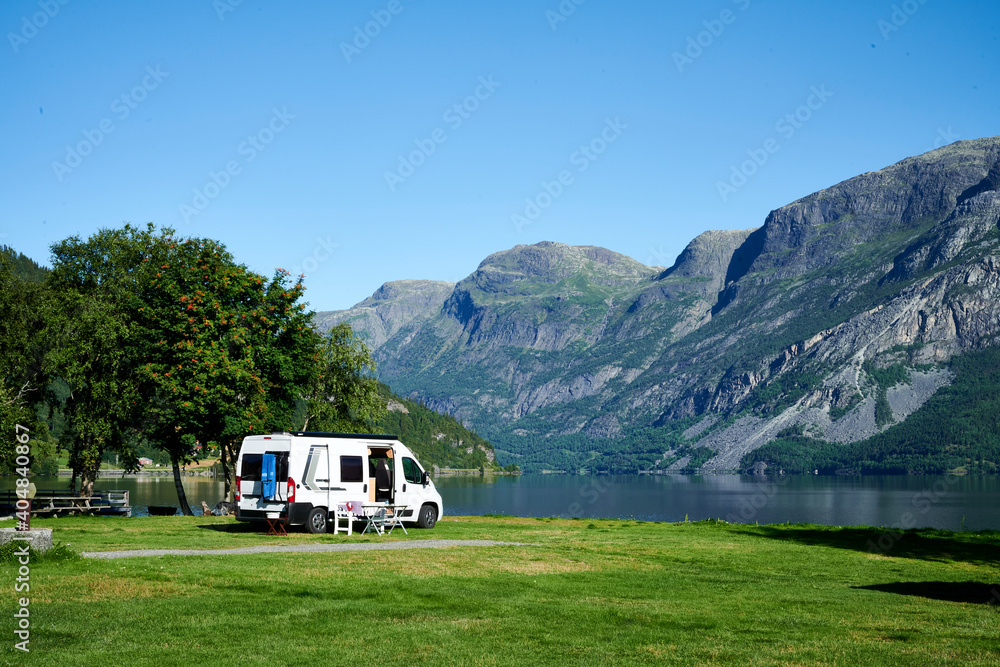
(90, 467)
(234, 457)
(224, 460)
(86, 486)
(181, 496)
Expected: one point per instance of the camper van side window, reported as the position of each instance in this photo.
(251, 468)
(411, 471)
(350, 469)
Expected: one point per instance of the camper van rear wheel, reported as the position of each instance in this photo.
(316, 522)
(428, 516)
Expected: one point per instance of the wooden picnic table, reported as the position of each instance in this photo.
(54, 503)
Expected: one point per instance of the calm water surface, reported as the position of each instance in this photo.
(917, 501)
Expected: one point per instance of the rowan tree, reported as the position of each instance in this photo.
(205, 346)
(226, 348)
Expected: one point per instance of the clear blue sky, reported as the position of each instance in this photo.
(665, 120)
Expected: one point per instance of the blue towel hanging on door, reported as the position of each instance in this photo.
(268, 476)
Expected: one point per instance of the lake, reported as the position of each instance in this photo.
(948, 502)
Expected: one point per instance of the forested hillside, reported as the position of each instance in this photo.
(957, 429)
(436, 439)
(23, 266)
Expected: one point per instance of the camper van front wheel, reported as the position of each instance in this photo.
(316, 522)
(428, 516)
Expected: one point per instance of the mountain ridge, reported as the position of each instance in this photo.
(572, 350)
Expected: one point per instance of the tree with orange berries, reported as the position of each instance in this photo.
(226, 348)
(206, 347)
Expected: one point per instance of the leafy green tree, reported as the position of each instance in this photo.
(22, 311)
(341, 392)
(95, 347)
(90, 343)
(164, 341)
(207, 348)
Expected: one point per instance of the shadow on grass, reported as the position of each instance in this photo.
(952, 591)
(921, 544)
(233, 527)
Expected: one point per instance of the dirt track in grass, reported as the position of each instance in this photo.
(297, 548)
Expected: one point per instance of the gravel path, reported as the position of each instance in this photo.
(303, 548)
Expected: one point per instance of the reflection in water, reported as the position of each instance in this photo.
(897, 501)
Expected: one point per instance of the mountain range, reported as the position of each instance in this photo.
(829, 325)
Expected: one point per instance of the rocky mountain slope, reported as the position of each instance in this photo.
(578, 357)
(392, 306)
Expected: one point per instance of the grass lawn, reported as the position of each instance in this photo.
(584, 592)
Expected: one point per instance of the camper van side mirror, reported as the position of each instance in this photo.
(427, 478)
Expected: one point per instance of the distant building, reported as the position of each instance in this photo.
(145, 461)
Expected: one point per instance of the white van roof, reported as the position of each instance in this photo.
(355, 436)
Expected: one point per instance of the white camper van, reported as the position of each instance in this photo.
(302, 476)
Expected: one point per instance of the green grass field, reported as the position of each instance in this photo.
(583, 592)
